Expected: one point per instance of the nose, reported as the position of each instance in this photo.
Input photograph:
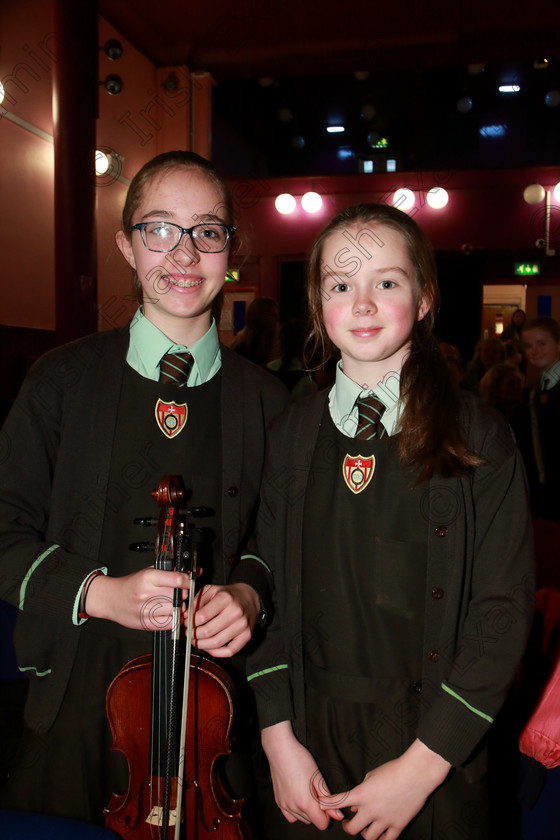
(184, 254)
(364, 302)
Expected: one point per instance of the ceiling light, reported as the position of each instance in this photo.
(1, 93)
(403, 199)
(533, 194)
(285, 204)
(311, 202)
(113, 49)
(556, 192)
(509, 88)
(335, 129)
(552, 98)
(113, 84)
(437, 198)
(464, 104)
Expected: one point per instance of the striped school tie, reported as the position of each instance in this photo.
(175, 367)
(370, 410)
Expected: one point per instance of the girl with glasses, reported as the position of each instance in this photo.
(97, 424)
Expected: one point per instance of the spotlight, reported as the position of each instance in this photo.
(311, 202)
(437, 198)
(113, 49)
(113, 85)
(534, 194)
(403, 199)
(285, 204)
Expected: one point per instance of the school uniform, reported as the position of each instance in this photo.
(401, 611)
(87, 440)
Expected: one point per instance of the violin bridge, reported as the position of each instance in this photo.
(155, 817)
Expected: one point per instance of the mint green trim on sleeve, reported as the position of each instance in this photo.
(266, 671)
(75, 620)
(31, 570)
(468, 705)
(258, 559)
(39, 673)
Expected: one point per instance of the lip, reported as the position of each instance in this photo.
(184, 283)
(365, 332)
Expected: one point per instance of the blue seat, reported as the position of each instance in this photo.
(19, 825)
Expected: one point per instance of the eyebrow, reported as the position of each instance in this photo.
(165, 214)
(391, 268)
(384, 270)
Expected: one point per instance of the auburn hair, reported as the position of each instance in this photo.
(431, 436)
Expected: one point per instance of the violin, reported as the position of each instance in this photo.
(173, 730)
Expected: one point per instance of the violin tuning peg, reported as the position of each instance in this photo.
(200, 511)
(146, 520)
(141, 546)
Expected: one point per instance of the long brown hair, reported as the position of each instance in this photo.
(170, 162)
(430, 431)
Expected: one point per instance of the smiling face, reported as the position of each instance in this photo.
(177, 287)
(541, 348)
(370, 300)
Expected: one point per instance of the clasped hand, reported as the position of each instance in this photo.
(224, 617)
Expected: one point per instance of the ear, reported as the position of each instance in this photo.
(423, 308)
(125, 247)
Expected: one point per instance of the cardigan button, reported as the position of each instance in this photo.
(434, 655)
(233, 491)
(416, 687)
(441, 531)
(437, 593)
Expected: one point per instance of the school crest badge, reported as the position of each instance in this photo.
(171, 417)
(357, 472)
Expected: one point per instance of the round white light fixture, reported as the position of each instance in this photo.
(403, 199)
(437, 198)
(533, 194)
(1, 93)
(311, 202)
(285, 203)
(102, 162)
(556, 192)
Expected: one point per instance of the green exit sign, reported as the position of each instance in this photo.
(526, 268)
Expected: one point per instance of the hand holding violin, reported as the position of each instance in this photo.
(224, 618)
(142, 600)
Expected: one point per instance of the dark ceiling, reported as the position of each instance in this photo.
(417, 79)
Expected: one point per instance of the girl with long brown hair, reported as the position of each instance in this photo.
(395, 521)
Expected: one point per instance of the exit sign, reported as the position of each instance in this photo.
(527, 268)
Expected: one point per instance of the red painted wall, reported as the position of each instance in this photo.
(486, 210)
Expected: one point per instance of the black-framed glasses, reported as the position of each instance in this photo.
(207, 237)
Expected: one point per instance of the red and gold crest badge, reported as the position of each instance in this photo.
(357, 472)
(171, 417)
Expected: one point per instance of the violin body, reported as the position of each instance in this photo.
(206, 806)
